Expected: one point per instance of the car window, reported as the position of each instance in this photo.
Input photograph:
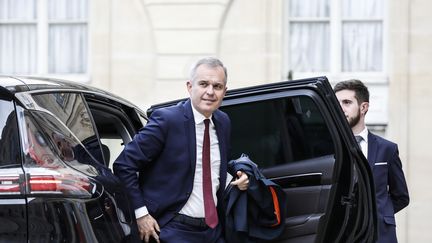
(9, 140)
(71, 110)
(49, 144)
(279, 131)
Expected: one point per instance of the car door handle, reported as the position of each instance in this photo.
(298, 180)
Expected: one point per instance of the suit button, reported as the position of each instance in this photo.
(188, 194)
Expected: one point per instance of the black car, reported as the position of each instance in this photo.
(59, 139)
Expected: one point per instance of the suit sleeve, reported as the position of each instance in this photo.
(397, 185)
(142, 150)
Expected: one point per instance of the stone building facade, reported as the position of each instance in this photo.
(149, 44)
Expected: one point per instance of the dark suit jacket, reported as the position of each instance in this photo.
(390, 186)
(164, 154)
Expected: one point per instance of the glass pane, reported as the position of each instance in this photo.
(362, 9)
(71, 110)
(18, 51)
(309, 47)
(309, 8)
(17, 9)
(67, 9)
(284, 130)
(9, 140)
(52, 145)
(362, 46)
(67, 48)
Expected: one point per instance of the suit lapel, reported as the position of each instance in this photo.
(222, 149)
(372, 149)
(189, 125)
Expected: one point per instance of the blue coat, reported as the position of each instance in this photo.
(164, 154)
(390, 186)
(251, 215)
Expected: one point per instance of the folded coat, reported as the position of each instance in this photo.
(256, 214)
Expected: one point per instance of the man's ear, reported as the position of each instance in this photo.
(364, 107)
(189, 85)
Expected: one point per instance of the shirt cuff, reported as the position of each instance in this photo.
(140, 212)
(228, 180)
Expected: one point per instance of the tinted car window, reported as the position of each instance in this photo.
(279, 131)
(71, 110)
(51, 145)
(9, 141)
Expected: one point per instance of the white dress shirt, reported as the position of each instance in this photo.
(364, 142)
(194, 207)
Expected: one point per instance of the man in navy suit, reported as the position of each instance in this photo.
(164, 167)
(383, 157)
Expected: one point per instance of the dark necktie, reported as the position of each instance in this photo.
(211, 217)
(358, 139)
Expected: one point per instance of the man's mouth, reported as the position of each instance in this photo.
(207, 100)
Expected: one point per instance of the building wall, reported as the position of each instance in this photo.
(142, 50)
(410, 110)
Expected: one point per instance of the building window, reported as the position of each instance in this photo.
(48, 37)
(309, 22)
(335, 36)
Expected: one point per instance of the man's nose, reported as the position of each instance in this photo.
(210, 89)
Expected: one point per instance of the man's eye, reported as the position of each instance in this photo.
(218, 86)
(203, 84)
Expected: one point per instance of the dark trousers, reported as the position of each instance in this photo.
(178, 231)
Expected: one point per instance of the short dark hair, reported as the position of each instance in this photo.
(211, 62)
(361, 91)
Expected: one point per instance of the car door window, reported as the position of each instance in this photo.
(71, 110)
(9, 140)
(52, 145)
(279, 131)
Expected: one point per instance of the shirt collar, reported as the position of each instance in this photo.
(198, 117)
(364, 134)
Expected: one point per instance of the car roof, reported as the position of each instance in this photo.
(19, 84)
(16, 84)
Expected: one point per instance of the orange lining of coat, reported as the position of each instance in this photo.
(276, 206)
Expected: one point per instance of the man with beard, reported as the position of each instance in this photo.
(383, 157)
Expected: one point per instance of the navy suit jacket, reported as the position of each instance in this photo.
(390, 186)
(164, 154)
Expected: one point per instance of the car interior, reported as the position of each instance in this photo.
(114, 129)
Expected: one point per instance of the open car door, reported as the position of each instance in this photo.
(298, 136)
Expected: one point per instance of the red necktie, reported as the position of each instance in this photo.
(211, 217)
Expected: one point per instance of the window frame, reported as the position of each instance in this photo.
(336, 21)
(42, 24)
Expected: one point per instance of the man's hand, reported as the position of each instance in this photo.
(242, 181)
(148, 227)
